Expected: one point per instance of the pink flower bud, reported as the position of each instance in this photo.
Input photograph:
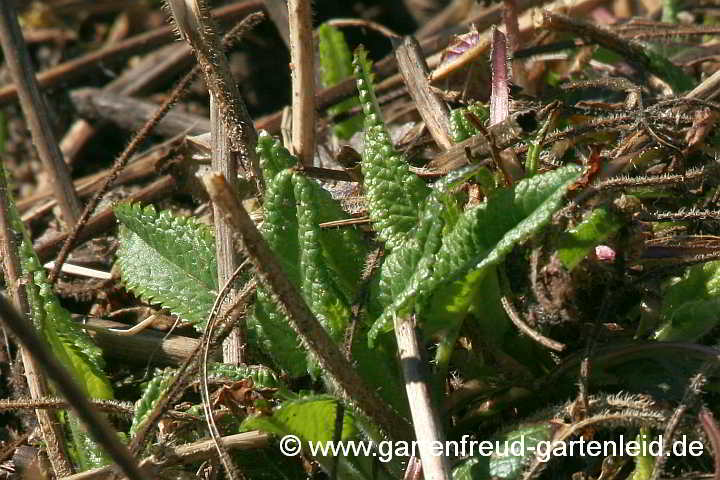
(605, 253)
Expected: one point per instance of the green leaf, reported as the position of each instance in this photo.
(280, 228)
(473, 468)
(168, 259)
(532, 158)
(284, 234)
(394, 194)
(273, 157)
(507, 462)
(504, 456)
(336, 66)
(462, 129)
(535, 146)
(689, 321)
(578, 242)
(691, 304)
(492, 321)
(379, 366)
(313, 419)
(422, 245)
(324, 298)
(276, 337)
(67, 340)
(325, 264)
(150, 396)
(485, 235)
(83, 450)
(480, 239)
(335, 56)
(439, 213)
(678, 80)
(262, 376)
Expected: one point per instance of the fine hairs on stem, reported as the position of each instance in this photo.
(232, 135)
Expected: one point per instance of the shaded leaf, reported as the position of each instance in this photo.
(508, 462)
(150, 396)
(579, 241)
(659, 64)
(261, 376)
(644, 461)
(691, 304)
(473, 468)
(462, 129)
(515, 450)
(313, 419)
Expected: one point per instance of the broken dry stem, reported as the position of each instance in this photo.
(365, 24)
(147, 346)
(426, 421)
(228, 258)
(432, 109)
(302, 56)
(130, 113)
(196, 25)
(505, 134)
